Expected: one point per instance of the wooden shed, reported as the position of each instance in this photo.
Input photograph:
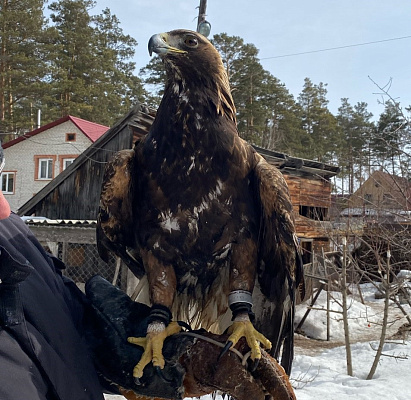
(310, 189)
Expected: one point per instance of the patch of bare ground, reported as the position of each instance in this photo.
(311, 347)
(403, 333)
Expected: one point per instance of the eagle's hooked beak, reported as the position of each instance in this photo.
(159, 44)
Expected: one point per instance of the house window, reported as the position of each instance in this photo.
(67, 162)
(70, 137)
(316, 213)
(7, 182)
(44, 167)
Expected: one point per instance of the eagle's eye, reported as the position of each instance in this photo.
(191, 41)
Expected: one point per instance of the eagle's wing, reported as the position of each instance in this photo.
(280, 267)
(115, 221)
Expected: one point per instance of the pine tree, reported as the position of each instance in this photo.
(249, 84)
(91, 75)
(390, 137)
(72, 58)
(114, 88)
(353, 155)
(282, 131)
(22, 65)
(231, 49)
(318, 122)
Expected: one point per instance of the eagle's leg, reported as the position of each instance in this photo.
(242, 278)
(162, 287)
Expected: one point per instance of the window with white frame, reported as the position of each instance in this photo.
(67, 162)
(7, 182)
(45, 168)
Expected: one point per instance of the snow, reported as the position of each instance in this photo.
(364, 319)
(324, 375)
(319, 369)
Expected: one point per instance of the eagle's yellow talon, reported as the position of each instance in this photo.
(238, 329)
(153, 346)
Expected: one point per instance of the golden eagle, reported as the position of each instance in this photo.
(199, 212)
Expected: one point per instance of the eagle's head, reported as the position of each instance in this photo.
(194, 67)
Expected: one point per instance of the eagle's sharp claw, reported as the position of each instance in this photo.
(254, 365)
(137, 381)
(225, 349)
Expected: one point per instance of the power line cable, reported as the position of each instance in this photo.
(336, 48)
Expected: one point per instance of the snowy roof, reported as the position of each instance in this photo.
(33, 220)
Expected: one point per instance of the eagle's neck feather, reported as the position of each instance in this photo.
(211, 94)
(197, 112)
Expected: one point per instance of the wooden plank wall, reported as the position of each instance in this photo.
(77, 197)
(311, 191)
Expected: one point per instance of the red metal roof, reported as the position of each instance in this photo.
(92, 130)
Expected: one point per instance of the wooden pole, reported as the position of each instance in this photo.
(311, 305)
(328, 309)
(328, 292)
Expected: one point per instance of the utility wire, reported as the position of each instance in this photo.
(336, 48)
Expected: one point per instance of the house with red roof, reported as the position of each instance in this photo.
(35, 158)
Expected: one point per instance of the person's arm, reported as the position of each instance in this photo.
(12, 269)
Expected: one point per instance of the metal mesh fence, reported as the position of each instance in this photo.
(75, 245)
(83, 261)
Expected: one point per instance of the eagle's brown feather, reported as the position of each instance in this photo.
(114, 228)
(206, 214)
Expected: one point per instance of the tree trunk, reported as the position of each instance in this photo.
(345, 310)
(384, 322)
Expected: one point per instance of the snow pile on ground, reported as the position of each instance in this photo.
(324, 375)
(320, 373)
(364, 319)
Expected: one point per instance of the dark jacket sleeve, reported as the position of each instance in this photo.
(13, 268)
(47, 314)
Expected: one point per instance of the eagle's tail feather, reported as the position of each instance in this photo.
(287, 353)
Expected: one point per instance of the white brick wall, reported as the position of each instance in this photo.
(21, 158)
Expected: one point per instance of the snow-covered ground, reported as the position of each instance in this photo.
(319, 369)
(324, 375)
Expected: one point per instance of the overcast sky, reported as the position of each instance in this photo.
(279, 28)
